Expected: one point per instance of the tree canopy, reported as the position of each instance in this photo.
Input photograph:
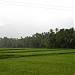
(58, 38)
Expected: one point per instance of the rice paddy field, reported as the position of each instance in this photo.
(37, 61)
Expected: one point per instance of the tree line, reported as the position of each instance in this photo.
(58, 38)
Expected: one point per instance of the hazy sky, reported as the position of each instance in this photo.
(26, 17)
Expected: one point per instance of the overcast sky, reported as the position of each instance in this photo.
(26, 17)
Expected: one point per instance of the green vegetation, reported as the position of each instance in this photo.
(44, 53)
(37, 61)
(63, 38)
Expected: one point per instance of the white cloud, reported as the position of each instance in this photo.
(1, 24)
(30, 16)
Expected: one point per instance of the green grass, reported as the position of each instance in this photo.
(37, 61)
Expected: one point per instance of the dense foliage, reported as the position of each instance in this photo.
(63, 38)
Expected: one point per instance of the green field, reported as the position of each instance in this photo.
(37, 61)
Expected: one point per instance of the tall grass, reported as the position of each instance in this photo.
(32, 61)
